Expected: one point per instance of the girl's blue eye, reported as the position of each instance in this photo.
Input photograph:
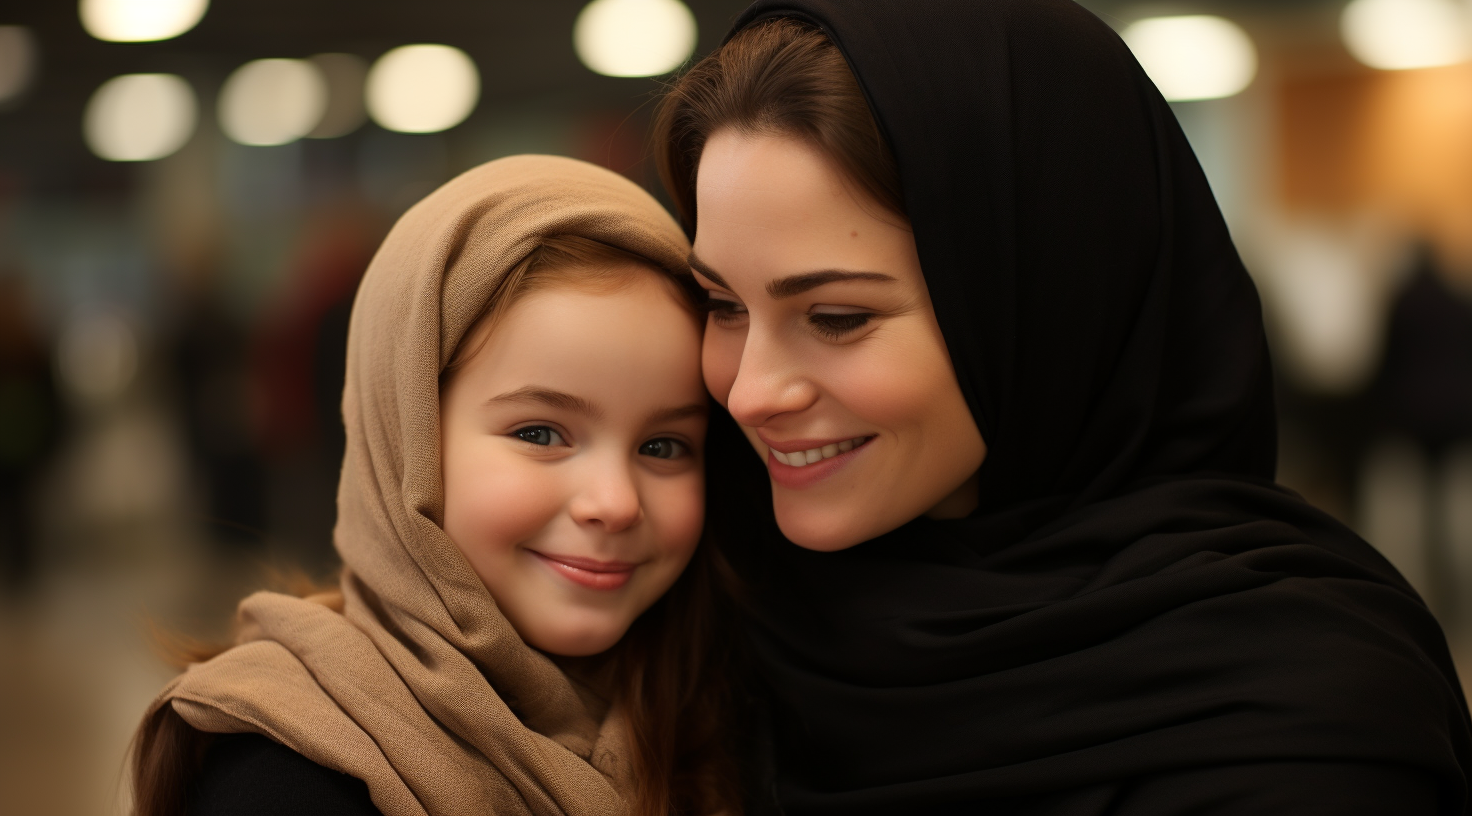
(538, 435)
(663, 448)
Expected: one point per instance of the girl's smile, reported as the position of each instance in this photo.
(572, 443)
(588, 572)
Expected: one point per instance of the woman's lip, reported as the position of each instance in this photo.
(589, 572)
(797, 478)
(795, 445)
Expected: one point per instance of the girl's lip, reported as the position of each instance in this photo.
(588, 572)
(797, 478)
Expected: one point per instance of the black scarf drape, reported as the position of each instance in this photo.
(1136, 620)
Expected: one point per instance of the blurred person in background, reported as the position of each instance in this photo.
(524, 622)
(298, 361)
(30, 427)
(220, 403)
(1011, 538)
(1423, 392)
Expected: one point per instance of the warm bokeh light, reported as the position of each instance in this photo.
(634, 38)
(140, 117)
(272, 101)
(1400, 34)
(1194, 57)
(140, 20)
(17, 61)
(345, 75)
(422, 88)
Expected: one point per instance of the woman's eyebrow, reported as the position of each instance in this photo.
(706, 272)
(550, 397)
(797, 284)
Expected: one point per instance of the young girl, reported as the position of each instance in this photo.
(520, 620)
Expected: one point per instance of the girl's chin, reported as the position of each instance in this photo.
(580, 642)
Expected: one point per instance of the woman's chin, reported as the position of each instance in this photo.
(817, 531)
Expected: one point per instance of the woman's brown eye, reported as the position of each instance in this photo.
(837, 325)
(723, 311)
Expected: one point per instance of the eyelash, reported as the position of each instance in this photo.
(832, 326)
(722, 311)
(835, 326)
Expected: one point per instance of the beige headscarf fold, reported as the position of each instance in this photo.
(420, 687)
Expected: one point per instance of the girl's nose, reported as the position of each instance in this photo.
(609, 498)
(769, 382)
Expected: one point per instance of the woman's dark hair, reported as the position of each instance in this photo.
(781, 77)
(676, 666)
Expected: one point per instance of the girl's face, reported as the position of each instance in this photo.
(823, 344)
(572, 459)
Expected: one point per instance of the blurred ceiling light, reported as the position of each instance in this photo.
(422, 88)
(140, 20)
(1399, 34)
(139, 117)
(634, 38)
(345, 75)
(17, 61)
(1194, 57)
(272, 101)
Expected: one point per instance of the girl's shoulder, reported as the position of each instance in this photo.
(248, 774)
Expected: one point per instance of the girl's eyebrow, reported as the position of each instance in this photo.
(793, 285)
(550, 397)
(561, 400)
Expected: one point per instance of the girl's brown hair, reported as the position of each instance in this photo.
(780, 77)
(674, 666)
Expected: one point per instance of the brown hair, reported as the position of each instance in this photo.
(559, 260)
(675, 665)
(780, 77)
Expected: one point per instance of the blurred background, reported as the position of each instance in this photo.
(190, 189)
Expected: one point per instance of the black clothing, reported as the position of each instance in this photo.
(251, 775)
(1136, 620)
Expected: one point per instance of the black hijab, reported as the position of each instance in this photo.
(1136, 620)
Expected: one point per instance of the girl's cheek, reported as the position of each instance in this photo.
(680, 508)
(494, 509)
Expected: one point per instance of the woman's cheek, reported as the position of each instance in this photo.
(720, 360)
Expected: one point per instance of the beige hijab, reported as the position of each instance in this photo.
(419, 686)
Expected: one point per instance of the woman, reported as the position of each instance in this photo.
(516, 630)
(975, 308)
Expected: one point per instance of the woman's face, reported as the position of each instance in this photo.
(571, 448)
(823, 344)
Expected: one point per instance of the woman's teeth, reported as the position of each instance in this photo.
(807, 457)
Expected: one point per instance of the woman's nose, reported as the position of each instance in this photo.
(609, 497)
(769, 382)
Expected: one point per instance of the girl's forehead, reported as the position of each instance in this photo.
(622, 347)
